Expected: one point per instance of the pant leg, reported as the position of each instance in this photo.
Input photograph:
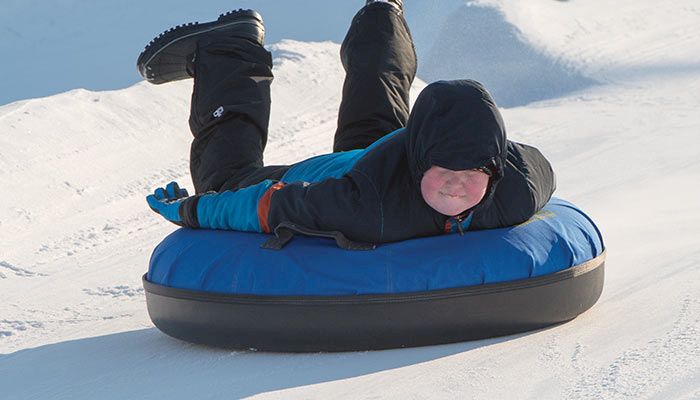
(230, 112)
(380, 64)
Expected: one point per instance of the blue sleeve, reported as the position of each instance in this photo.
(232, 210)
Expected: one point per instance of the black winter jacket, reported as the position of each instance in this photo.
(455, 125)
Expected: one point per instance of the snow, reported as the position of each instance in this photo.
(619, 122)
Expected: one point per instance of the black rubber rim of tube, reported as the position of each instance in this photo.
(373, 322)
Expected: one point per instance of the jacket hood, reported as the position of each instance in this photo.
(456, 125)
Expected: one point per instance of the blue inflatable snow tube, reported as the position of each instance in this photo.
(208, 270)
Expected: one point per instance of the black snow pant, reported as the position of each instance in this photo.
(231, 99)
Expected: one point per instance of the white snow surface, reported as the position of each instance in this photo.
(76, 234)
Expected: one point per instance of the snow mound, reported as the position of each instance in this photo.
(478, 42)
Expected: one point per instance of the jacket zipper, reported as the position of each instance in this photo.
(459, 219)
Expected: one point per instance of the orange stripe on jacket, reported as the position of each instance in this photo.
(264, 205)
(448, 226)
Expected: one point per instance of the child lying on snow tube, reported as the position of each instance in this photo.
(446, 167)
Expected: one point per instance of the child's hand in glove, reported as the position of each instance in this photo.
(167, 202)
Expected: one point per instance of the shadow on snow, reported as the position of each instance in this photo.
(148, 364)
(494, 52)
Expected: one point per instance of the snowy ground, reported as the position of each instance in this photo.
(619, 121)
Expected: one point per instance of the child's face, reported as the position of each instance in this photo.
(453, 192)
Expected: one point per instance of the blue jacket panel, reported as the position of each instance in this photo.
(333, 165)
(232, 210)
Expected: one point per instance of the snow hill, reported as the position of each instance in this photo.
(619, 122)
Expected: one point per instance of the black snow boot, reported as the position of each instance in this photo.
(169, 56)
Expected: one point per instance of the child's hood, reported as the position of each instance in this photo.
(456, 125)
